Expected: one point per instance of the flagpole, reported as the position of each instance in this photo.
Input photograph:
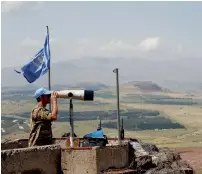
(49, 76)
(118, 109)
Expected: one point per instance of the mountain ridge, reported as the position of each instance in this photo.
(145, 87)
(101, 70)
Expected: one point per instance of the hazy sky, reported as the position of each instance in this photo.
(149, 30)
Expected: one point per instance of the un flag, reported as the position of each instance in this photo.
(38, 65)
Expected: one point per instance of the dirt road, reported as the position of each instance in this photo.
(193, 156)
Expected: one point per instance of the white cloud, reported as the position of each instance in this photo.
(84, 41)
(37, 5)
(9, 6)
(117, 45)
(179, 48)
(85, 47)
(149, 44)
(29, 42)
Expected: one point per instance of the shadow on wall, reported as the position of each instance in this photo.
(15, 144)
(33, 171)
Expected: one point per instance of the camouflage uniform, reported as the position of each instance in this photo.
(41, 132)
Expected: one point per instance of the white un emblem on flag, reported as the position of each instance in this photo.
(38, 61)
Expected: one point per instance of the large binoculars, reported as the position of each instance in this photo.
(84, 95)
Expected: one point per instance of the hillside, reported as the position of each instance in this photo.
(89, 86)
(137, 87)
(144, 87)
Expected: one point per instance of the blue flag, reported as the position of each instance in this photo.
(38, 65)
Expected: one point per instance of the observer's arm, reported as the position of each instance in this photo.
(54, 105)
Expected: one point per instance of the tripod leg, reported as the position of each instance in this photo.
(71, 124)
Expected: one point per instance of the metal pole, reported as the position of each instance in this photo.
(100, 124)
(49, 76)
(71, 121)
(118, 110)
(122, 130)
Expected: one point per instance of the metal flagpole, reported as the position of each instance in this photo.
(49, 76)
(118, 111)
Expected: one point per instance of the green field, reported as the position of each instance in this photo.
(142, 119)
(159, 99)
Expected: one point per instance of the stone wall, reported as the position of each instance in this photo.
(42, 159)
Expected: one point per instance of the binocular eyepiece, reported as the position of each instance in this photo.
(70, 95)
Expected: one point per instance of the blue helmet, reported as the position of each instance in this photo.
(41, 91)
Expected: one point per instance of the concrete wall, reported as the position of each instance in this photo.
(23, 143)
(44, 160)
(48, 159)
(94, 160)
(112, 156)
(79, 161)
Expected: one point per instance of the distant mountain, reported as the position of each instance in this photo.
(100, 70)
(144, 86)
(89, 86)
(190, 87)
(28, 89)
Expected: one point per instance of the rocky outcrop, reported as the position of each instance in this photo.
(148, 159)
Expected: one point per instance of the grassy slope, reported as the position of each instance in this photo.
(190, 116)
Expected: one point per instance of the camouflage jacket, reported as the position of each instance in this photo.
(40, 122)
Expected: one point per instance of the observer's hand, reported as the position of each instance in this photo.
(54, 95)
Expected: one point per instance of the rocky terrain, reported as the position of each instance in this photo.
(149, 159)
